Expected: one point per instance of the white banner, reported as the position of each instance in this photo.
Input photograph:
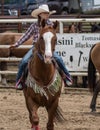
(97, 2)
(75, 48)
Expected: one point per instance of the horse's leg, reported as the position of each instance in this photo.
(34, 116)
(34, 123)
(51, 114)
(3, 77)
(94, 98)
(32, 109)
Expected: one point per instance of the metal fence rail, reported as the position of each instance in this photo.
(62, 21)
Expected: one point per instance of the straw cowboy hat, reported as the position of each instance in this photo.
(41, 9)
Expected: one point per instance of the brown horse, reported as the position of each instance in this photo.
(8, 38)
(43, 81)
(93, 67)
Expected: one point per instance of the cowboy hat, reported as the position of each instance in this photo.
(41, 9)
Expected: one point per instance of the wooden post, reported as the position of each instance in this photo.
(19, 24)
(2, 7)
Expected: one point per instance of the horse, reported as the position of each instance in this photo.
(9, 38)
(93, 68)
(42, 87)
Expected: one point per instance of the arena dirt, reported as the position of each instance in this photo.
(75, 106)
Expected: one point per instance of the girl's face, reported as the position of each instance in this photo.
(44, 15)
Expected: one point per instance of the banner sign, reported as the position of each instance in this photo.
(74, 48)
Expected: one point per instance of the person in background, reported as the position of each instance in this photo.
(42, 12)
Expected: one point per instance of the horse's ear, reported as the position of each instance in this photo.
(43, 23)
(55, 24)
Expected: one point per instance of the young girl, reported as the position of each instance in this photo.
(33, 31)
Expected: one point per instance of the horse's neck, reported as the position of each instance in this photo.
(42, 72)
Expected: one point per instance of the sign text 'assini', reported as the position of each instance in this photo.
(65, 41)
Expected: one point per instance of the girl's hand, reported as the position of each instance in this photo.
(12, 46)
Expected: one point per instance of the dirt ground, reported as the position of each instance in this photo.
(75, 106)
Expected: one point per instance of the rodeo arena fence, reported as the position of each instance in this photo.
(73, 47)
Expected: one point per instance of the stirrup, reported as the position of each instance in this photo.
(67, 83)
(19, 87)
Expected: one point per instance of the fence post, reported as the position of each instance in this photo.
(19, 24)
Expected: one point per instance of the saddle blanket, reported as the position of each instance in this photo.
(52, 88)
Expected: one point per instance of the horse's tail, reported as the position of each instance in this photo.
(59, 116)
(91, 73)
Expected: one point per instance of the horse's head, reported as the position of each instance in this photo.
(47, 41)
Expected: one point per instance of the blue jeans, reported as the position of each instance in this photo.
(23, 64)
(28, 55)
(61, 64)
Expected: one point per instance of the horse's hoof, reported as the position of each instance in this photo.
(35, 127)
(93, 110)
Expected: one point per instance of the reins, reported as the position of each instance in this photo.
(40, 56)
